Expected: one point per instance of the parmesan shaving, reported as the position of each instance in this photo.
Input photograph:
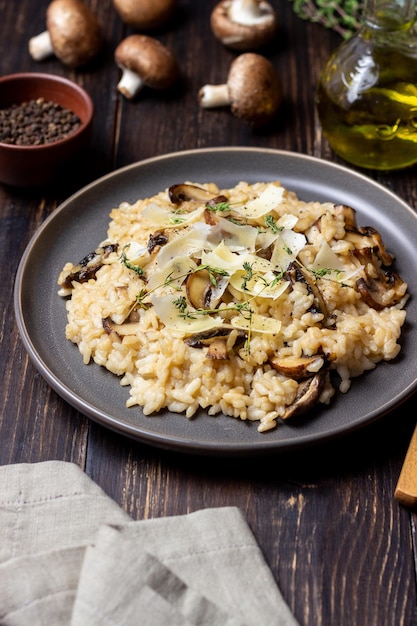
(169, 314)
(266, 202)
(257, 323)
(163, 218)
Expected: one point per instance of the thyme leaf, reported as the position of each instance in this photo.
(213, 273)
(182, 306)
(131, 266)
(247, 276)
(221, 207)
(270, 222)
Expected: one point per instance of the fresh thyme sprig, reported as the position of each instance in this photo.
(221, 207)
(213, 272)
(243, 308)
(182, 306)
(326, 272)
(131, 266)
(248, 275)
(271, 223)
(343, 16)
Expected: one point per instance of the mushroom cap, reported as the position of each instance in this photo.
(145, 14)
(74, 31)
(239, 36)
(148, 58)
(254, 88)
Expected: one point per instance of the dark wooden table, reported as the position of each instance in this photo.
(342, 550)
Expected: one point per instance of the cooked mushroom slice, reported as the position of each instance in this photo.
(378, 287)
(73, 34)
(302, 367)
(205, 290)
(297, 273)
(184, 192)
(217, 350)
(210, 217)
(348, 213)
(122, 330)
(307, 396)
(199, 289)
(244, 24)
(156, 239)
(88, 267)
(205, 338)
(217, 200)
(368, 237)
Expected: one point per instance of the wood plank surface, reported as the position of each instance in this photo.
(342, 550)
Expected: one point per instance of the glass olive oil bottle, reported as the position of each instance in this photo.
(367, 92)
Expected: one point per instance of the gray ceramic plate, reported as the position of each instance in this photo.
(76, 227)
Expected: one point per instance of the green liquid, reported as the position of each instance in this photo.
(378, 130)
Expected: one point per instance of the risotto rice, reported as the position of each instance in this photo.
(244, 301)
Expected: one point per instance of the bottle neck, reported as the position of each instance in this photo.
(390, 14)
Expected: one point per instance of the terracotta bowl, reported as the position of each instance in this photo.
(29, 165)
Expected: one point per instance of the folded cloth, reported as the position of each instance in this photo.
(40, 588)
(70, 556)
(50, 505)
(104, 597)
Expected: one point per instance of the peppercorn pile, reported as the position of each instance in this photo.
(36, 122)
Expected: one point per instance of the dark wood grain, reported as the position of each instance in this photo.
(341, 549)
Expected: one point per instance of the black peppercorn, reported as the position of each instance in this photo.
(36, 122)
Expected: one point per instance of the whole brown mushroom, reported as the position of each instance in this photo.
(144, 61)
(244, 24)
(73, 34)
(145, 14)
(253, 90)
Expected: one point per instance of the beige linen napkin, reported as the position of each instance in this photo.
(70, 556)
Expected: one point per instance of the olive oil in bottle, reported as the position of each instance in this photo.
(367, 92)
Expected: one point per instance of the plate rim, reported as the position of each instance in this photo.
(166, 441)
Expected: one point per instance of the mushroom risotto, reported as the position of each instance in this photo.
(244, 301)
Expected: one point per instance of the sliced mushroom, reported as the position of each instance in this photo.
(185, 192)
(378, 287)
(210, 218)
(155, 240)
(199, 289)
(244, 24)
(205, 338)
(307, 396)
(217, 200)
(217, 350)
(298, 273)
(144, 61)
(349, 214)
(205, 290)
(87, 268)
(299, 368)
(73, 34)
(368, 237)
(252, 91)
(122, 330)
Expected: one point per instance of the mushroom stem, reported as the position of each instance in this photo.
(130, 83)
(247, 12)
(213, 96)
(40, 46)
